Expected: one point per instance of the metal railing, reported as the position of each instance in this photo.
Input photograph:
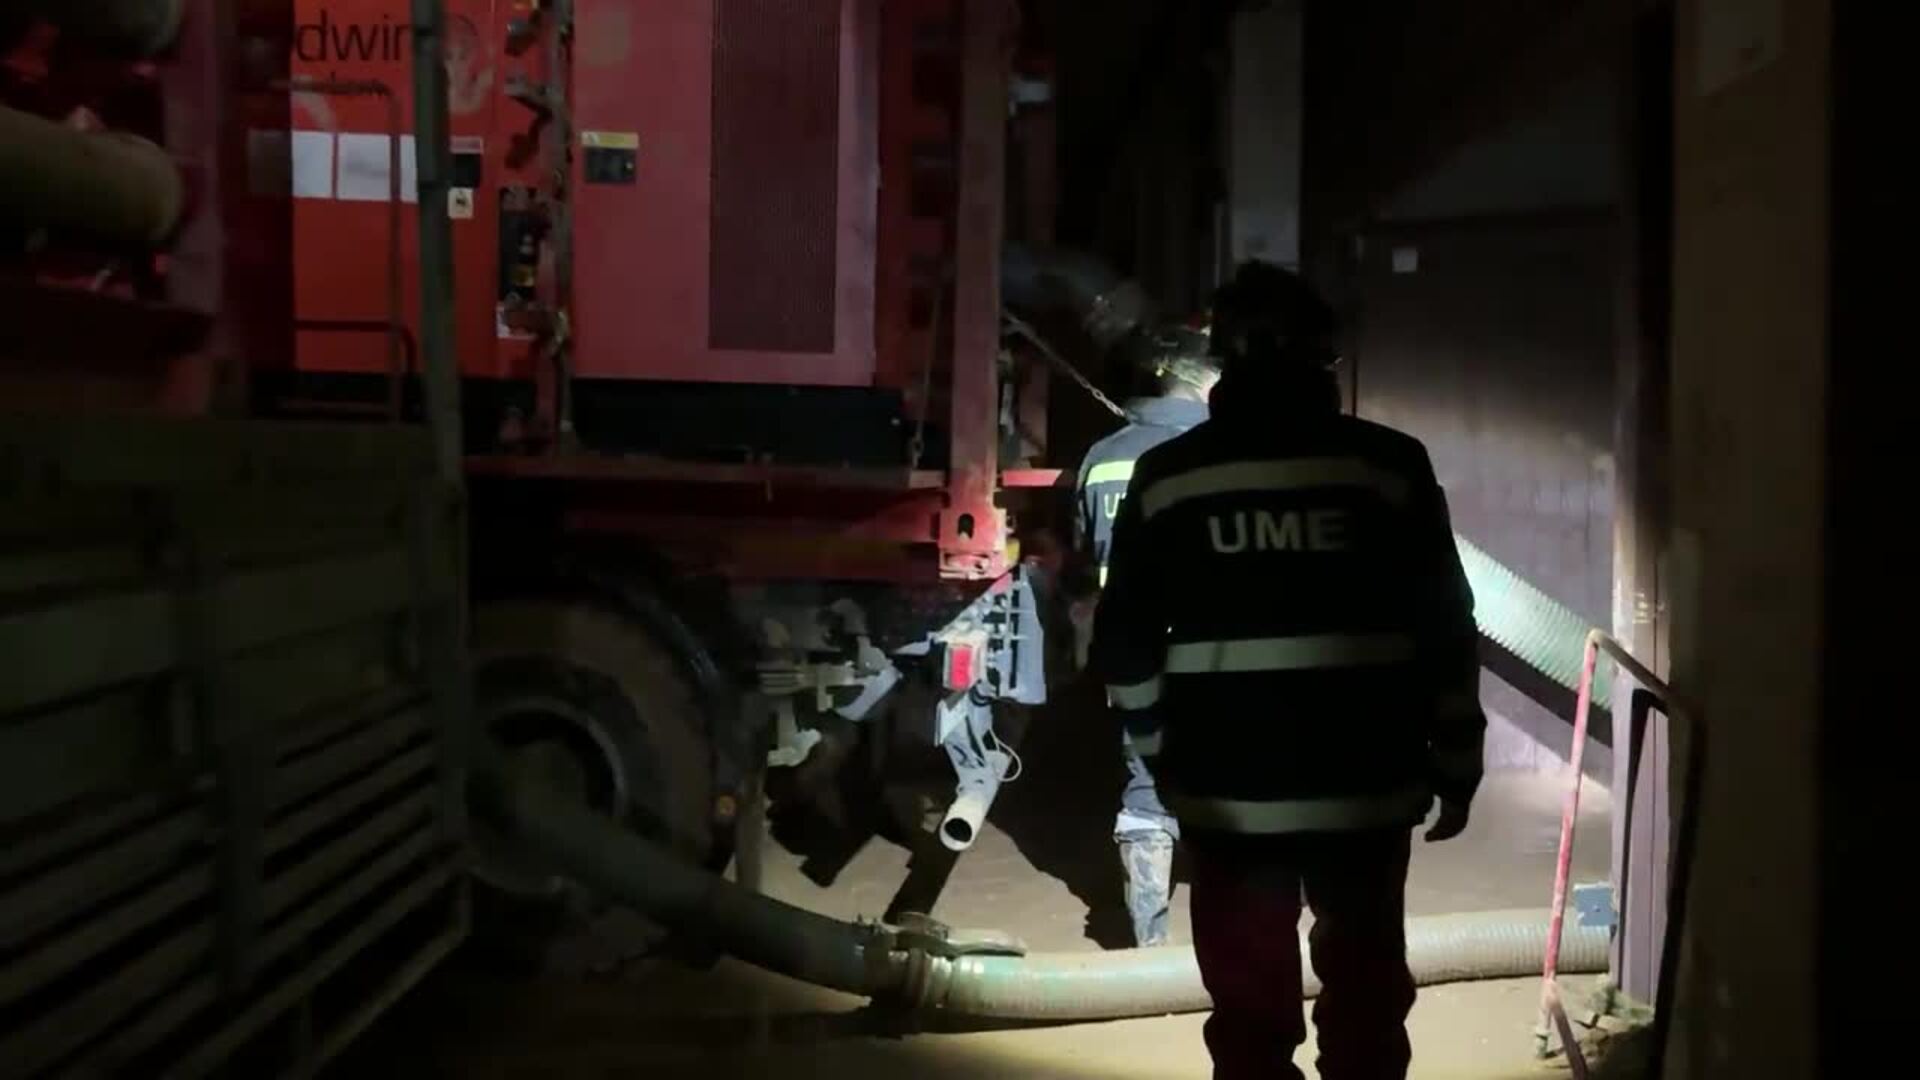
(393, 407)
(1553, 1012)
(400, 348)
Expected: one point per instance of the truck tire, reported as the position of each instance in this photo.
(598, 707)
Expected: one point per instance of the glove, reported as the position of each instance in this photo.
(1451, 822)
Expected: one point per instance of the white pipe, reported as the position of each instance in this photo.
(961, 827)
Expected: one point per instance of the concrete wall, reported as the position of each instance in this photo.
(1486, 314)
(1396, 87)
(1140, 91)
(1750, 437)
(1563, 153)
(1264, 88)
(1642, 820)
(1492, 342)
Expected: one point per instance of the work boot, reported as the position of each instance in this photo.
(1148, 860)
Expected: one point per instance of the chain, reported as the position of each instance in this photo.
(1021, 328)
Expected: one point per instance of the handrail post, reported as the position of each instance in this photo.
(1553, 1014)
(433, 167)
(1550, 1007)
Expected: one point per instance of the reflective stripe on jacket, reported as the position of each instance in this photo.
(1109, 465)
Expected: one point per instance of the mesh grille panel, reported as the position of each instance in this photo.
(776, 172)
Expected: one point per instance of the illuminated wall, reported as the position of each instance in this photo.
(1484, 309)
(1493, 344)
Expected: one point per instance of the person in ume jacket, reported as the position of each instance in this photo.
(1178, 371)
(1287, 636)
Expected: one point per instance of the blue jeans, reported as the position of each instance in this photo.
(1146, 834)
(1140, 806)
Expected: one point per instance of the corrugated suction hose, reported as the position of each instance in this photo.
(110, 185)
(1151, 982)
(614, 861)
(862, 959)
(1528, 623)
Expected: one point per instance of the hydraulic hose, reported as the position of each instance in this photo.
(1535, 627)
(603, 855)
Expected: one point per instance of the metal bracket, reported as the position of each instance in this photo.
(1593, 905)
(791, 678)
(540, 97)
(871, 671)
(971, 547)
(915, 932)
(792, 744)
(950, 715)
(1007, 617)
(874, 690)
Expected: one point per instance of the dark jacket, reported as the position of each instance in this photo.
(1286, 627)
(1110, 462)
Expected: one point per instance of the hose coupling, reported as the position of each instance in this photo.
(917, 956)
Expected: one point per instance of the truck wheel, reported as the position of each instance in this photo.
(586, 701)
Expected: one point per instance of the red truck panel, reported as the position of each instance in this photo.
(341, 169)
(720, 219)
(741, 247)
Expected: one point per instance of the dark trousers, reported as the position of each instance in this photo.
(1246, 914)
